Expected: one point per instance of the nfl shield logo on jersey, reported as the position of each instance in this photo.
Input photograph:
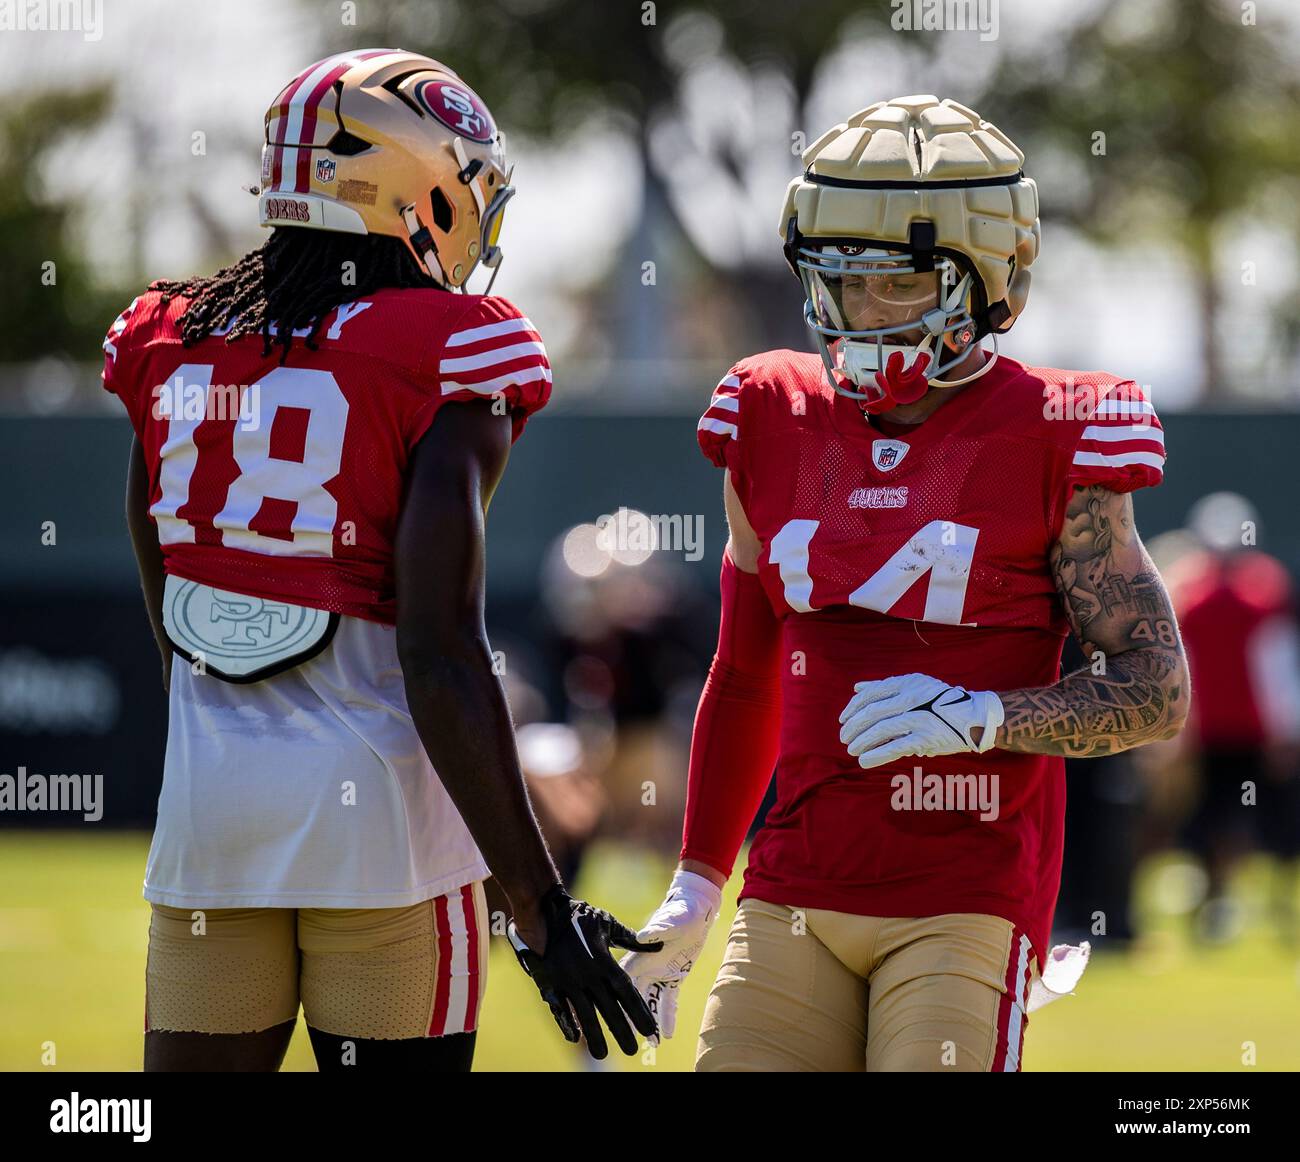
(325, 169)
(887, 454)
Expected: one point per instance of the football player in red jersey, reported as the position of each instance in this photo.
(307, 508)
(915, 522)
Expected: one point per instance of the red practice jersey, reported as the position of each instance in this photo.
(1225, 604)
(891, 549)
(285, 482)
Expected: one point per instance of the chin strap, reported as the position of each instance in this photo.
(984, 370)
(422, 241)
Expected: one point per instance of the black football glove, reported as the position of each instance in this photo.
(578, 977)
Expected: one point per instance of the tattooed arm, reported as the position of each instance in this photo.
(1135, 689)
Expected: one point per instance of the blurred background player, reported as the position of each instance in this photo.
(319, 431)
(1236, 608)
(624, 626)
(915, 523)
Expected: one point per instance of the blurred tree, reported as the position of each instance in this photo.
(712, 177)
(1175, 121)
(48, 304)
(1197, 107)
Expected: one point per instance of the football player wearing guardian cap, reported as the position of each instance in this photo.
(899, 299)
(916, 521)
(341, 772)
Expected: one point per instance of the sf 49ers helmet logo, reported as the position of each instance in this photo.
(458, 108)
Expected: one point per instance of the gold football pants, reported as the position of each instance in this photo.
(375, 973)
(808, 990)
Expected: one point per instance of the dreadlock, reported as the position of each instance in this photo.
(291, 282)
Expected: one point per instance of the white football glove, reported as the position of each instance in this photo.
(682, 922)
(915, 714)
(1065, 965)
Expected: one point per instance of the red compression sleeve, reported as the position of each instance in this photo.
(737, 726)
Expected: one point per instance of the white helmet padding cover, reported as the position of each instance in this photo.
(942, 189)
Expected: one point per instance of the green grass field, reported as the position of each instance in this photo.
(73, 936)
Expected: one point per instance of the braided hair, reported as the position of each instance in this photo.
(291, 282)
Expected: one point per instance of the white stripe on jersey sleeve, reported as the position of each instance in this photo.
(500, 382)
(119, 325)
(724, 399)
(1112, 408)
(492, 357)
(1118, 459)
(489, 331)
(1119, 433)
(708, 424)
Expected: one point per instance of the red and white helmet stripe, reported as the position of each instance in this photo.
(291, 131)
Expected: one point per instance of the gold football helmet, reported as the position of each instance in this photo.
(904, 188)
(381, 141)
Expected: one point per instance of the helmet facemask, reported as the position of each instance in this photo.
(493, 216)
(881, 315)
(490, 215)
(908, 187)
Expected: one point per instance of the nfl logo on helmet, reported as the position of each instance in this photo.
(325, 168)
